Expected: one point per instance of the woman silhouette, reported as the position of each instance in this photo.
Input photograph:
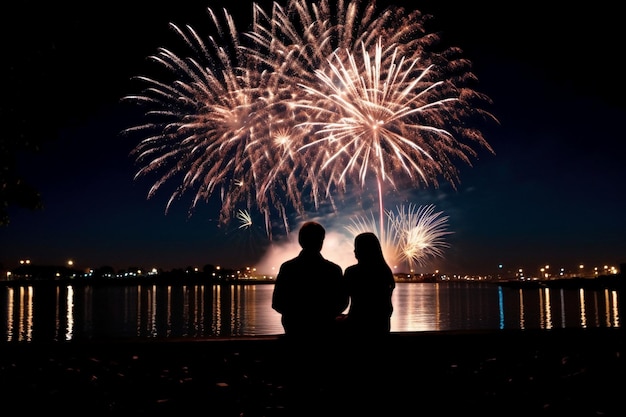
(370, 284)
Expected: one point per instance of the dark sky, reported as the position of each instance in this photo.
(553, 193)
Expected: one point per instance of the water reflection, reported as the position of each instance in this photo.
(84, 312)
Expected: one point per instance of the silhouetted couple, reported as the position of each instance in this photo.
(311, 292)
(333, 366)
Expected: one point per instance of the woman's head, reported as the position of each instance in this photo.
(367, 247)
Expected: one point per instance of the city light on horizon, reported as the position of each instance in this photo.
(501, 271)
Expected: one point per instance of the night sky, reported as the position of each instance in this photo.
(553, 193)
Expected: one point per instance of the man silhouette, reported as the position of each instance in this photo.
(309, 292)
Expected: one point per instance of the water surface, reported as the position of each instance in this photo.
(87, 312)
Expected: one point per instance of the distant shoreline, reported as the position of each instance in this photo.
(615, 282)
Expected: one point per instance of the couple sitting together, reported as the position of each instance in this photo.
(311, 293)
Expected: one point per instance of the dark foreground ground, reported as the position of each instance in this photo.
(565, 372)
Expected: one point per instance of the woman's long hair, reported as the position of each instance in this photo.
(367, 249)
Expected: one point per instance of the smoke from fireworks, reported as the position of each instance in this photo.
(311, 100)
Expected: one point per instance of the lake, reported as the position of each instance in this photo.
(34, 313)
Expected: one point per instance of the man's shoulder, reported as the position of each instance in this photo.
(332, 265)
(289, 264)
(335, 265)
(304, 262)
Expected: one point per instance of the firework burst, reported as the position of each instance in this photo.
(413, 234)
(245, 220)
(421, 233)
(205, 126)
(317, 96)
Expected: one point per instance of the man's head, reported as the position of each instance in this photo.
(311, 236)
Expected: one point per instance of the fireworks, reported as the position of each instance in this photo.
(311, 101)
(245, 220)
(204, 123)
(413, 234)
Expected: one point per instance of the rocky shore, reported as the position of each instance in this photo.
(561, 372)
